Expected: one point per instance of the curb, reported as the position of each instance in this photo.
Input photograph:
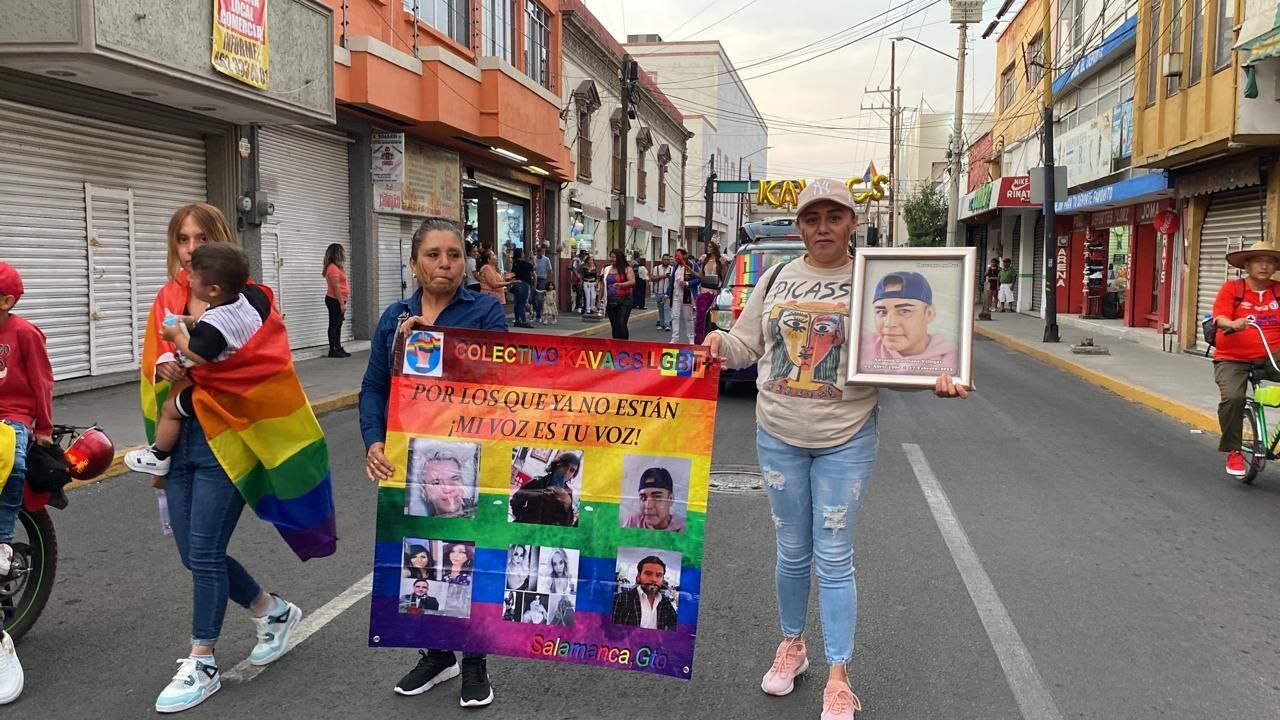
(1180, 411)
(332, 403)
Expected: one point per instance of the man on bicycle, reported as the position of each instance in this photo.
(1239, 347)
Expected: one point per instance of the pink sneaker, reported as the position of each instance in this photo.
(839, 702)
(788, 663)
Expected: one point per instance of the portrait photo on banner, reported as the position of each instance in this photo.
(442, 479)
(647, 590)
(913, 316)
(437, 577)
(546, 486)
(541, 585)
(654, 493)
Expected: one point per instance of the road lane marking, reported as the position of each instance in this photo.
(311, 623)
(1019, 669)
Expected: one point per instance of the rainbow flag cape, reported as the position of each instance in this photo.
(259, 424)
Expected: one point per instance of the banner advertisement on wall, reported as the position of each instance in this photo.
(549, 499)
(240, 47)
(429, 182)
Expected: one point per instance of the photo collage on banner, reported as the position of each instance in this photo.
(552, 501)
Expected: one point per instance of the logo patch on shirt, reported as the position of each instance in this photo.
(424, 353)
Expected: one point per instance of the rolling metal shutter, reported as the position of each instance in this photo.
(53, 167)
(304, 173)
(1037, 266)
(1013, 244)
(395, 232)
(1234, 221)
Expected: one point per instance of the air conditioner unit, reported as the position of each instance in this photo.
(1171, 63)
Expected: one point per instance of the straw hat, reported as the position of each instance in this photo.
(1241, 258)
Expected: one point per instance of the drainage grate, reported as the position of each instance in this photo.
(736, 479)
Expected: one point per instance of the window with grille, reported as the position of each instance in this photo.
(496, 33)
(1035, 62)
(1175, 44)
(642, 178)
(537, 43)
(662, 187)
(1008, 86)
(1195, 72)
(1222, 43)
(617, 162)
(584, 145)
(1153, 51)
(451, 17)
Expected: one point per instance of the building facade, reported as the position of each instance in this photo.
(648, 218)
(922, 156)
(729, 133)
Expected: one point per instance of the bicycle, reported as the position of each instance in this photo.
(1258, 443)
(25, 591)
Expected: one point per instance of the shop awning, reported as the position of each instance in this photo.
(1006, 192)
(1260, 31)
(1126, 192)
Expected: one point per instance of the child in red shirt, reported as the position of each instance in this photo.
(26, 405)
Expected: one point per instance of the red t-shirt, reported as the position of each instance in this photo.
(26, 378)
(1263, 305)
(334, 271)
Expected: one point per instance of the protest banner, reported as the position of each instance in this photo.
(549, 498)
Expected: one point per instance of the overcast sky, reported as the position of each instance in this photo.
(827, 91)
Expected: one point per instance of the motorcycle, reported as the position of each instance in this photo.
(88, 453)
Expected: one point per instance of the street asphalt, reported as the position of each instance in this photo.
(1126, 578)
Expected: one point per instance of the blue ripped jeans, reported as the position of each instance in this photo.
(815, 494)
(204, 508)
(11, 496)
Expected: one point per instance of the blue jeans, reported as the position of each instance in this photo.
(11, 497)
(521, 291)
(539, 297)
(815, 494)
(204, 508)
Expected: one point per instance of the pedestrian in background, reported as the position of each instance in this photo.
(1008, 283)
(619, 281)
(472, 280)
(542, 269)
(26, 408)
(590, 287)
(993, 284)
(204, 505)
(641, 270)
(816, 438)
(710, 275)
(661, 282)
(336, 294)
(684, 288)
(575, 282)
(521, 286)
(491, 281)
(436, 255)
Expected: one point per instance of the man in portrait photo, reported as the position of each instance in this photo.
(419, 601)
(438, 485)
(657, 496)
(901, 343)
(644, 605)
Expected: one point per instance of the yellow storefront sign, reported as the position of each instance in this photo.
(240, 40)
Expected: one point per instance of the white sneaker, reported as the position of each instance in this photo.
(11, 678)
(194, 682)
(273, 634)
(145, 461)
(6, 559)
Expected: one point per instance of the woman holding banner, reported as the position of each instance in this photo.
(437, 259)
(816, 440)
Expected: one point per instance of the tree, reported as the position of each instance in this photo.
(925, 212)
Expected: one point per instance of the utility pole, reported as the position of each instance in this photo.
(628, 75)
(893, 145)
(710, 210)
(741, 197)
(957, 146)
(1050, 232)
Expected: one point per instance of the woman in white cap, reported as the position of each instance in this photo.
(816, 437)
(1257, 295)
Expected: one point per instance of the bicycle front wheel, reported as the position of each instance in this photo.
(1253, 445)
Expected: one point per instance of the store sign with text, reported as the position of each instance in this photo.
(240, 48)
(427, 181)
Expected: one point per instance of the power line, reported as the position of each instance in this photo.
(744, 6)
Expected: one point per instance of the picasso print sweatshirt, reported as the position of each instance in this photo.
(799, 337)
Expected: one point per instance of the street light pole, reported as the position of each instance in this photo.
(957, 146)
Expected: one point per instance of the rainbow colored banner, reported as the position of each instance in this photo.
(549, 499)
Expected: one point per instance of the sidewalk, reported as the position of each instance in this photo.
(1179, 385)
(331, 384)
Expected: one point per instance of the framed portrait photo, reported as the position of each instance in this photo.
(912, 318)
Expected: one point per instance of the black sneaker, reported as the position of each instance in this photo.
(476, 690)
(431, 670)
